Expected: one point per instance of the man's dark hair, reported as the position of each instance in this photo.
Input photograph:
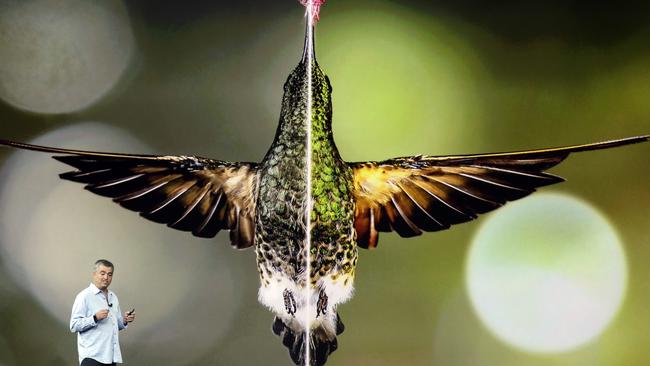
(103, 262)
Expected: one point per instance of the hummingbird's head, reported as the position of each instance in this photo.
(307, 88)
(305, 76)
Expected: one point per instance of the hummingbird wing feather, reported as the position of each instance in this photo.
(187, 193)
(414, 194)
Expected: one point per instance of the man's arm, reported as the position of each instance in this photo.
(79, 322)
(120, 318)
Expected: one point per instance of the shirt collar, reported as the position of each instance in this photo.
(95, 290)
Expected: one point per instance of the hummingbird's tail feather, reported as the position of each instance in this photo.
(321, 343)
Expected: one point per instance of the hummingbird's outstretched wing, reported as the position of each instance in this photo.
(185, 192)
(430, 193)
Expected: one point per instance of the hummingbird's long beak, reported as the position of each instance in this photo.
(308, 50)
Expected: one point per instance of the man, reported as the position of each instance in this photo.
(96, 318)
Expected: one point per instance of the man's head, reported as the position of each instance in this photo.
(103, 274)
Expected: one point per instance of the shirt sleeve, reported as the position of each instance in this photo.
(120, 318)
(79, 322)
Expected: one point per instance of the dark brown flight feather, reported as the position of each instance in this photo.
(187, 193)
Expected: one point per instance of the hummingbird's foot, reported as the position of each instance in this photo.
(289, 302)
(321, 305)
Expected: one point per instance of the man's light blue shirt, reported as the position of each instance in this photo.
(97, 340)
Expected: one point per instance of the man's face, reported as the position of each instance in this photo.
(102, 277)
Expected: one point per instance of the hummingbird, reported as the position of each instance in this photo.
(303, 209)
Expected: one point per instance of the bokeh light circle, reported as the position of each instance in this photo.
(51, 231)
(61, 56)
(546, 274)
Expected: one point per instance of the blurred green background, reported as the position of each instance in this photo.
(409, 77)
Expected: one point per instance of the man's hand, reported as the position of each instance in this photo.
(102, 314)
(128, 317)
